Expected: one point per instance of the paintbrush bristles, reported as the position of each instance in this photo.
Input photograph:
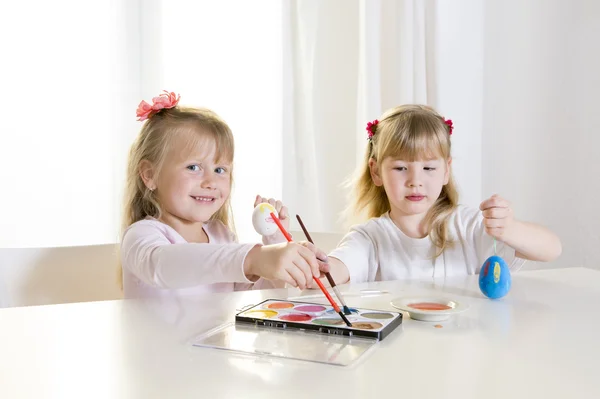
(345, 319)
(339, 295)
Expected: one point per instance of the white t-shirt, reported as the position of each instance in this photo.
(378, 250)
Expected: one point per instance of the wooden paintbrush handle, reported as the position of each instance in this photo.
(330, 279)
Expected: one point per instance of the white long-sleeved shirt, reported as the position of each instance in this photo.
(157, 261)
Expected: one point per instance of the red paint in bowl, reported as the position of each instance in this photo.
(429, 306)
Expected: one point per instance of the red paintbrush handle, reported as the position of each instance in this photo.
(289, 238)
(335, 306)
(281, 228)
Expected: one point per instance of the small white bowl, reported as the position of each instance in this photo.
(427, 311)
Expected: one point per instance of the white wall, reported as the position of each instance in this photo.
(541, 120)
(458, 94)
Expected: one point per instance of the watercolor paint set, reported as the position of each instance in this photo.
(284, 314)
(287, 329)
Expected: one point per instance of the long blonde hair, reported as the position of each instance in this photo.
(408, 132)
(153, 143)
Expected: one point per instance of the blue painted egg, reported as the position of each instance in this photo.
(494, 278)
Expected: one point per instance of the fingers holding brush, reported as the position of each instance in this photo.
(282, 262)
(321, 255)
(298, 273)
(322, 260)
(324, 268)
(308, 252)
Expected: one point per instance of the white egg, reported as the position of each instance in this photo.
(262, 221)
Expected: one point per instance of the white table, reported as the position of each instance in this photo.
(541, 341)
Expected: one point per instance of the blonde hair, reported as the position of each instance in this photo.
(408, 132)
(154, 142)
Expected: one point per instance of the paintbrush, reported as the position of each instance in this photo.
(328, 275)
(319, 283)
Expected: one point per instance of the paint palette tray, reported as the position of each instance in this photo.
(248, 339)
(282, 314)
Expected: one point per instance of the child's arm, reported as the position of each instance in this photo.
(150, 256)
(530, 241)
(294, 263)
(338, 270)
(353, 261)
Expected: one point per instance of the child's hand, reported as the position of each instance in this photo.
(324, 266)
(498, 216)
(321, 257)
(294, 263)
(281, 209)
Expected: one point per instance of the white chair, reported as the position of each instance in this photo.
(43, 276)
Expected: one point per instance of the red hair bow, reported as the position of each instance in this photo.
(448, 122)
(371, 128)
(165, 100)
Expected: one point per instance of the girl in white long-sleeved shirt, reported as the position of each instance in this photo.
(178, 237)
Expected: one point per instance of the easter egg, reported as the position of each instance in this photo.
(494, 278)
(262, 221)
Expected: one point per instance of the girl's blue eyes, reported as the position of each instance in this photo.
(403, 168)
(196, 168)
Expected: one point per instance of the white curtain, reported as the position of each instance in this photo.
(517, 78)
(351, 60)
(69, 85)
(227, 56)
(72, 76)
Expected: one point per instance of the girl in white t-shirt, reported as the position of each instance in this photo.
(416, 228)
